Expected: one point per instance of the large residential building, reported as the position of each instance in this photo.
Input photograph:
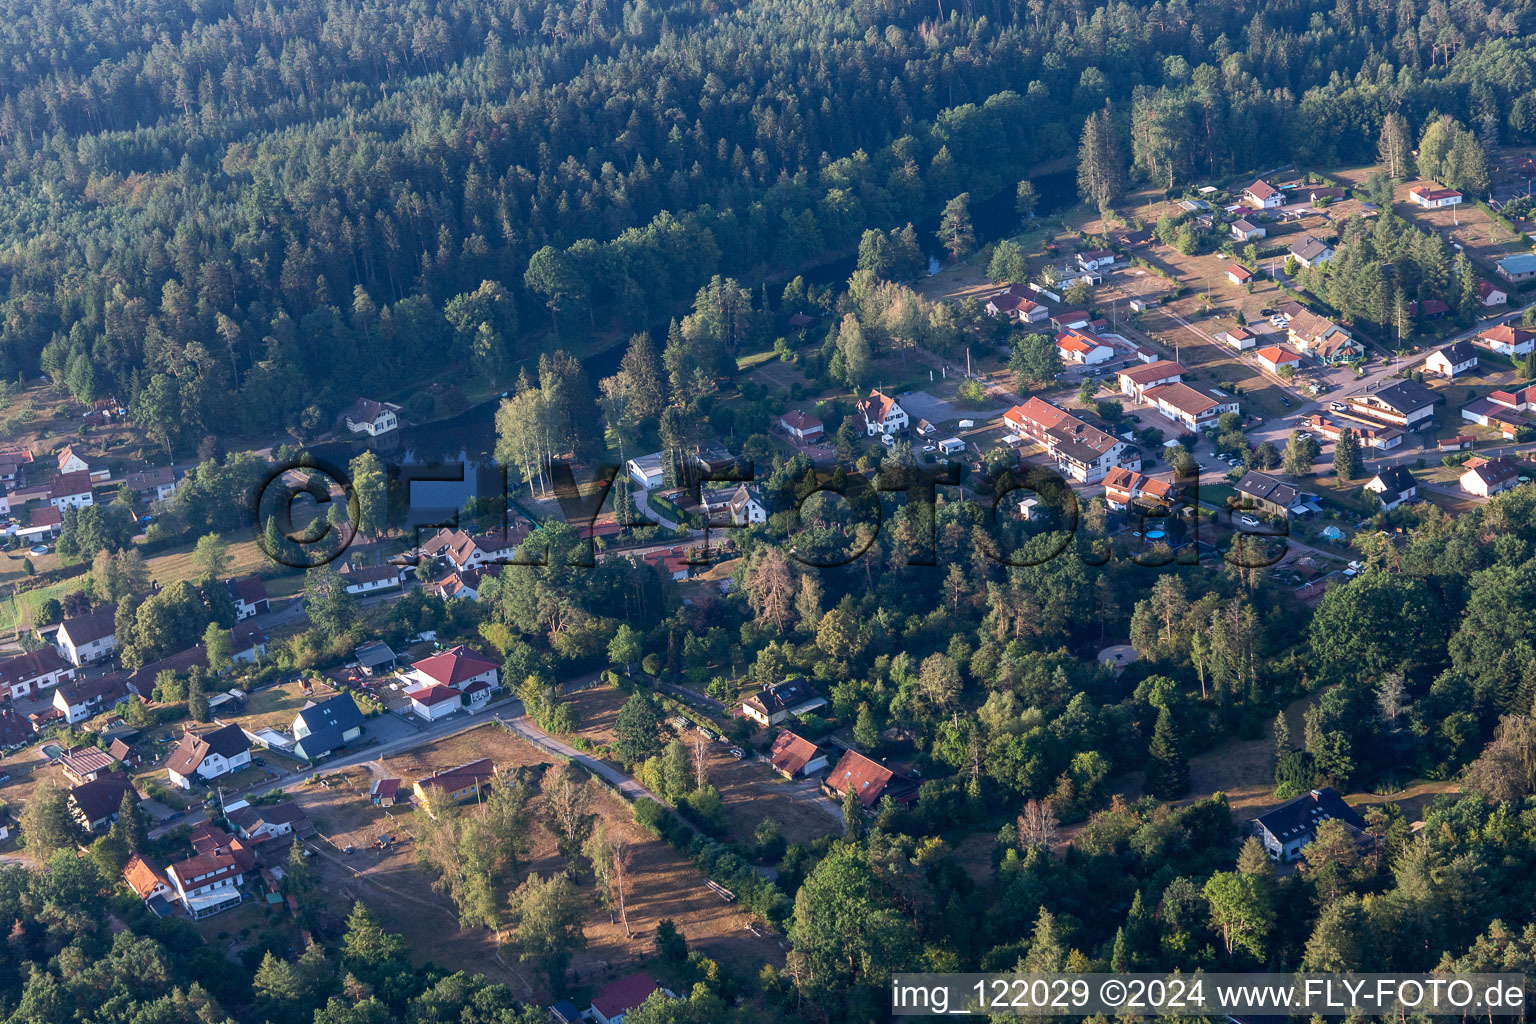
(210, 881)
(202, 758)
(880, 414)
(1083, 452)
(465, 550)
(323, 728)
(459, 677)
(733, 506)
(88, 638)
(1402, 404)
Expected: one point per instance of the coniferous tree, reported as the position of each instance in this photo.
(1167, 769)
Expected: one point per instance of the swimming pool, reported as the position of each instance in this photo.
(53, 750)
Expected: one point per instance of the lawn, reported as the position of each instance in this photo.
(22, 608)
(175, 564)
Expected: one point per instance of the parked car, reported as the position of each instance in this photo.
(738, 753)
(1248, 521)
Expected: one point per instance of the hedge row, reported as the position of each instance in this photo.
(719, 861)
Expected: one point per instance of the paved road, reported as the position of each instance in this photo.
(643, 506)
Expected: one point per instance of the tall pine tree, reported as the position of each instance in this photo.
(1167, 770)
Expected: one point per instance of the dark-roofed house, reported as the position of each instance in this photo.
(1309, 251)
(249, 595)
(95, 804)
(200, 758)
(71, 490)
(1484, 478)
(1455, 358)
(267, 822)
(1275, 497)
(619, 997)
(1291, 826)
(88, 638)
(384, 792)
(374, 657)
(456, 785)
(870, 780)
(85, 764)
(1393, 486)
(15, 730)
(795, 756)
(365, 416)
(1401, 404)
(153, 484)
(81, 698)
(326, 727)
(783, 700)
(370, 579)
(35, 670)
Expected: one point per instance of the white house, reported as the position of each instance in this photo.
(1261, 195)
(35, 670)
(735, 505)
(1393, 486)
(267, 822)
(1192, 406)
(1453, 359)
(1098, 259)
(70, 461)
(201, 758)
(1273, 357)
(371, 579)
(1489, 295)
(365, 416)
(1245, 230)
(646, 470)
(1082, 451)
(71, 490)
(1291, 826)
(1080, 347)
(802, 426)
(1486, 477)
(88, 638)
(249, 595)
(153, 484)
(458, 677)
(1240, 338)
(1017, 302)
(1309, 251)
(79, 699)
(1135, 381)
(1400, 405)
(1507, 340)
(881, 414)
(1433, 197)
(208, 883)
(1239, 274)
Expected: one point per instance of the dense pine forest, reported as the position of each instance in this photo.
(239, 216)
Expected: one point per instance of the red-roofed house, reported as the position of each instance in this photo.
(1503, 339)
(457, 666)
(870, 780)
(1276, 356)
(1490, 295)
(1433, 197)
(1239, 274)
(795, 756)
(1138, 379)
(249, 594)
(146, 879)
(71, 490)
(880, 414)
(1083, 348)
(1017, 302)
(619, 997)
(1261, 195)
(802, 426)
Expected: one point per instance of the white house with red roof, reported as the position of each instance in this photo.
(71, 490)
(365, 416)
(1017, 302)
(459, 677)
(881, 414)
(1080, 347)
(619, 997)
(1491, 295)
(1432, 197)
(1506, 340)
(1261, 195)
(249, 595)
(1137, 380)
(802, 426)
(1273, 357)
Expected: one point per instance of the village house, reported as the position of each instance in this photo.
(1082, 452)
(1261, 195)
(1456, 358)
(464, 550)
(1245, 230)
(1490, 295)
(1393, 486)
(86, 763)
(13, 467)
(1075, 320)
(15, 730)
(796, 757)
(1309, 251)
(1096, 259)
(1321, 338)
(70, 490)
(1194, 407)
(370, 579)
(1270, 496)
(1124, 487)
(736, 506)
(202, 758)
(81, 698)
(1517, 268)
(95, 804)
(1274, 357)
(459, 585)
(71, 461)
(249, 595)
(323, 728)
(1403, 404)
(1331, 193)
(802, 427)
(267, 822)
(88, 638)
(374, 657)
(617, 998)
(781, 701)
(149, 883)
(455, 785)
(209, 881)
(456, 678)
(152, 485)
(1135, 380)
(1433, 197)
(365, 416)
(1506, 340)
(1083, 348)
(1507, 411)
(869, 781)
(35, 670)
(646, 471)
(1017, 302)
(880, 414)
(1239, 274)
(1370, 434)
(1291, 826)
(1483, 478)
